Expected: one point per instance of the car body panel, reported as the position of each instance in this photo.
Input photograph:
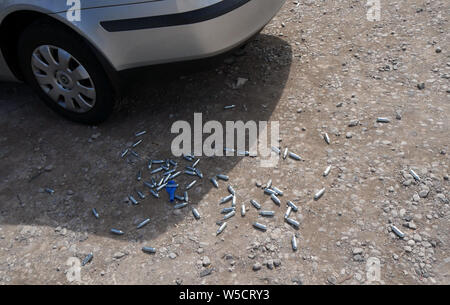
(148, 46)
(130, 49)
(56, 6)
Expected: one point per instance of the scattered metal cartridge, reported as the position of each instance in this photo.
(160, 182)
(156, 170)
(243, 210)
(195, 163)
(214, 182)
(277, 191)
(269, 191)
(229, 107)
(140, 194)
(255, 204)
(87, 259)
(223, 177)
(139, 176)
(149, 250)
(149, 185)
(133, 200)
(195, 213)
(166, 179)
(221, 228)
(141, 133)
(50, 191)
(285, 153)
(175, 175)
(145, 222)
(157, 161)
(294, 243)
(96, 215)
(295, 156)
(269, 183)
(260, 226)
(267, 213)
(186, 196)
(227, 210)
(327, 171)
(326, 138)
(231, 190)
(199, 173)
(178, 197)
(413, 173)
(190, 185)
(190, 173)
(276, 150)
(226, 150)
(275, 199)
(173, 163)
(229, 215)
(319, 194)
(124, 153)
(180, 205)
(293, 222)
(155, 194)
(137, 143)
(188, 158)
(169, 172)
(233, 201)
(135, 154)
(226, 199)
(397, 231)
(292, 205)
(243, 153)
(288, 212)
(117, 232)
(383, 120)
(161, 187)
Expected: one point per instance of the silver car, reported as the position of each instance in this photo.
(70, 51)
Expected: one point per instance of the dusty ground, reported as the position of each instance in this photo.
(315, 68)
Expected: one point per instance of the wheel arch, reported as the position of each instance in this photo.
(16, 22)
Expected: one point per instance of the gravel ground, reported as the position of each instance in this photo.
(318, 67)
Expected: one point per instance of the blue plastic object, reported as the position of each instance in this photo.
(171, 188)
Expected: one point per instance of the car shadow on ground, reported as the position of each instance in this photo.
(83, 164)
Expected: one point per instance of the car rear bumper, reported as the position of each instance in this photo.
(173, 30)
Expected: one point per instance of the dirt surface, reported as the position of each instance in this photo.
(318, 67)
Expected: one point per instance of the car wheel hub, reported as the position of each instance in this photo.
(63, 78)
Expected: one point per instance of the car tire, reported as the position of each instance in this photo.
(59, 65)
